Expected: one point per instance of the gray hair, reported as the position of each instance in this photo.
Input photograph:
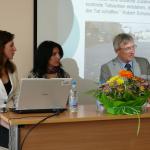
(122, 38)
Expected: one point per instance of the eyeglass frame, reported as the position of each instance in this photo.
(133, 47)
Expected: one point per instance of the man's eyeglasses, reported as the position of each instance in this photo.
(133, 47)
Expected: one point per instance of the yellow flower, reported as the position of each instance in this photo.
(115, 80)
(120, 81)
(106, 91)
(142, 88)
(120, 89)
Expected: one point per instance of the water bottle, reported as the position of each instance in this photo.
(73, 97)
(99, 106)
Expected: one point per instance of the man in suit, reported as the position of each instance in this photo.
(124, 47)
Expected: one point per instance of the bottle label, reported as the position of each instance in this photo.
(73, 102)
(73, 105)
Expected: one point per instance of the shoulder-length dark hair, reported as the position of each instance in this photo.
(44, 52)
(5, 37)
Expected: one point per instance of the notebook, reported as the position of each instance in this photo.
(43, 95)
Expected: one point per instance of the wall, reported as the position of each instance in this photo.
(16, 16)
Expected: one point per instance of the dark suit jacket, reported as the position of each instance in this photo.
(141, 68)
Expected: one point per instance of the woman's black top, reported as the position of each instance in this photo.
(8, 87)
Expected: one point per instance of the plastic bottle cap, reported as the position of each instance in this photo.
(74, 82)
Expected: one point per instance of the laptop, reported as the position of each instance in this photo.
(39, 95)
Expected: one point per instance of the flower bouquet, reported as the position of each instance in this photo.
(123, 94)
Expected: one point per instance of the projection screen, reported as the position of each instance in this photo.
(85, 29)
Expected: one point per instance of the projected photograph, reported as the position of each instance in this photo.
(98, 43)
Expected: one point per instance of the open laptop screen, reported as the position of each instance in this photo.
(43, 95)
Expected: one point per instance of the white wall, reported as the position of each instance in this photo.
(16, 16)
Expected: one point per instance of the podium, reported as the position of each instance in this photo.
(84, 130)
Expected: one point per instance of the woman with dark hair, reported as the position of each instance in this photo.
(9, 83)
(47, 61)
